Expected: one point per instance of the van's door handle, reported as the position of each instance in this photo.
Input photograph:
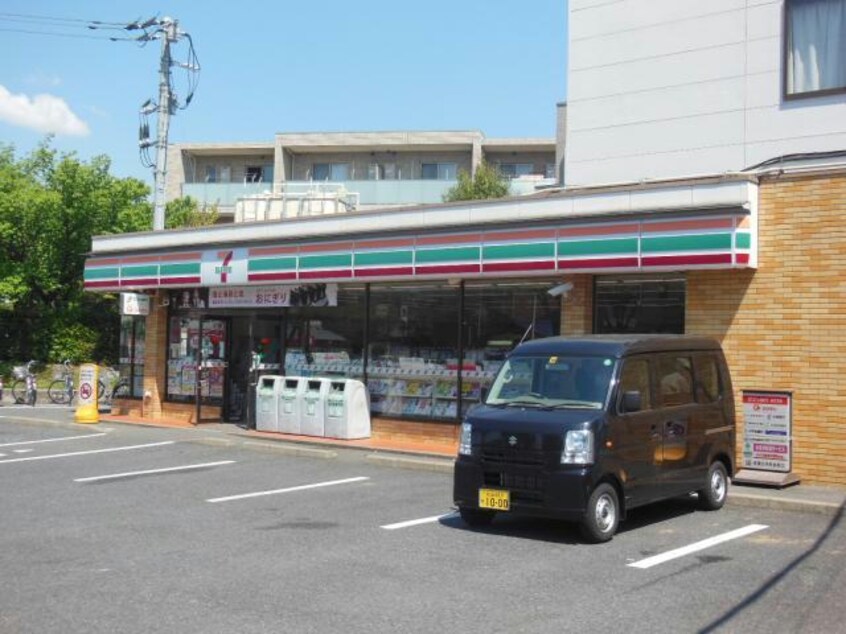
(654, 433)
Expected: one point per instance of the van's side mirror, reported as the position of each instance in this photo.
(632, 402)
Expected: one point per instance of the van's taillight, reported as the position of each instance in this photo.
(578, 447)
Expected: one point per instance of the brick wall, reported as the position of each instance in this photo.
(577, 306)
(783, 325)
(155, 362)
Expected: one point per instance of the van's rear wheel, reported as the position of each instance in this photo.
(602, 515)
(476, 518)
(714, 494)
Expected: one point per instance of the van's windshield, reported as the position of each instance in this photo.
(552, 381)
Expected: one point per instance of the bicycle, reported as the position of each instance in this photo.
(25, 389)
(61, 390)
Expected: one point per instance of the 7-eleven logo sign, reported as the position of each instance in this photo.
(224, 267)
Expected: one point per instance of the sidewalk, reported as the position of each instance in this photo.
(434, 456)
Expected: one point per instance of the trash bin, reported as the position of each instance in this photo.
(313, 406)
(290, 404)
(267, 417)
(347, 410)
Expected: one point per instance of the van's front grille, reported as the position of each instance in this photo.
(509, 456)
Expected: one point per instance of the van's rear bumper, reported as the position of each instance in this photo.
(563, 494)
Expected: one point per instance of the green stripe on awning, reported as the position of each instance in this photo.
(181, 269)
(140, 271)
(742, 240)
(273, 264)
(110, 273)
(611, 246)
(325, 261)
(454, 254)
(708, 242)
(379, 258)
(519, 251)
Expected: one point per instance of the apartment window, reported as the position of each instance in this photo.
(330, 172)
(516, 170)
(549, 170)
(439, 171)
(382, 171)
(225, 174)
(253, 174)
(815, 47)
(211, 174)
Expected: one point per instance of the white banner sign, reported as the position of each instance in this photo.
(276, 296)
(134, 304)
(767, 431)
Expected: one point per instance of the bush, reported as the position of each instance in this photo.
(75, 342)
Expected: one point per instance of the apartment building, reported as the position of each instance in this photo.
(366, 170)
(705, 173)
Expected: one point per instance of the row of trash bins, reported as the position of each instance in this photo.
(313, 406)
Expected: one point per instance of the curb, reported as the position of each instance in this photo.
(750, 500)
(403, 461)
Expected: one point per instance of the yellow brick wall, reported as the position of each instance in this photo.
(577, 306)
(783, 325)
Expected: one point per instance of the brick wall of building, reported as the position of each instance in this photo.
(783, 325)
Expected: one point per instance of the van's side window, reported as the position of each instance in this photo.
(635, 377)
(675, 378)
(707, 379)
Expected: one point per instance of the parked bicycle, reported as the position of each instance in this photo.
(61, 390)
(25, 388)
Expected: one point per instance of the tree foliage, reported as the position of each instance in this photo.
(485, 184)
(186, 212)
(51, 205)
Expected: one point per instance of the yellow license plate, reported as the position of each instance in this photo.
(494, 499)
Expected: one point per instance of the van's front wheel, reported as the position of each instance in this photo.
(713, 495)
(602, 515)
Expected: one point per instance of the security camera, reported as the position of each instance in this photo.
(165, 302)
(561, 289)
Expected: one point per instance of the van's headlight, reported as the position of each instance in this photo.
(578, 447)
(465, 444)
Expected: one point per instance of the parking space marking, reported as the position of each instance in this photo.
(129, 474)
(303, 487)
(643, 564)
(35, 442)
(424, 520)
(86, 453)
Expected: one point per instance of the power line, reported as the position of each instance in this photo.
(60, 19)
(73, 35)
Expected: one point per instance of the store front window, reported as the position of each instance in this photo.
(132, 352)
(496, 318)
(639, 305)
(413, 351)
(196, 359)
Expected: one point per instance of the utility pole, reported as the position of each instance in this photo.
(168, 35)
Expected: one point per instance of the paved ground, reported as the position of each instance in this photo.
(118, 528)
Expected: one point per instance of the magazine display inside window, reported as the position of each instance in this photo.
(192, 358)
(133, 331)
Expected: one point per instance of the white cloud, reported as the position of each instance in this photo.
(44, 113)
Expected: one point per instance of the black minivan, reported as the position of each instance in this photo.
(585, 429)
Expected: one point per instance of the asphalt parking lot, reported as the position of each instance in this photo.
(110, 528)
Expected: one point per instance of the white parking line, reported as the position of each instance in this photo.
(129, 474)
(35, 442)
(288, 490)
(643, 564)
(85, 453)
(425, 520)
(22, 451)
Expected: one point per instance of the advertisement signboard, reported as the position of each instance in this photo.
(276, 296)
(767, 431)
(134, 304)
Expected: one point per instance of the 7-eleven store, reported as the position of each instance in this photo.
(421, 304)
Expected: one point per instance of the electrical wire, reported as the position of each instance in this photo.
(60, 19)
(57, 34)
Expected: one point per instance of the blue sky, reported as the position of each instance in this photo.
(283, 66)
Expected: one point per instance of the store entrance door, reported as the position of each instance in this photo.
(255, 350)
(212, 366)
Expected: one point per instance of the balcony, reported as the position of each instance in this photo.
(223, 195)
(371, 193)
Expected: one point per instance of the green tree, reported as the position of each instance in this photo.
(50, 206)
(186, 212)
(487, 183)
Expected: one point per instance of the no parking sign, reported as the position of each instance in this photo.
(86, 407)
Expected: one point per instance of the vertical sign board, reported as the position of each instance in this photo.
(767, 430)
(86, 405)
(134, 304)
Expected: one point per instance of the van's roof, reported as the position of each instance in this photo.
(615, 345)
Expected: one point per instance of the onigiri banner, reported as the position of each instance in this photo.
(276, 296)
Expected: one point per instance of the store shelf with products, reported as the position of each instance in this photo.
(430, 392)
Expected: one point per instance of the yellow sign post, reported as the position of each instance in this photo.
(86, 404)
